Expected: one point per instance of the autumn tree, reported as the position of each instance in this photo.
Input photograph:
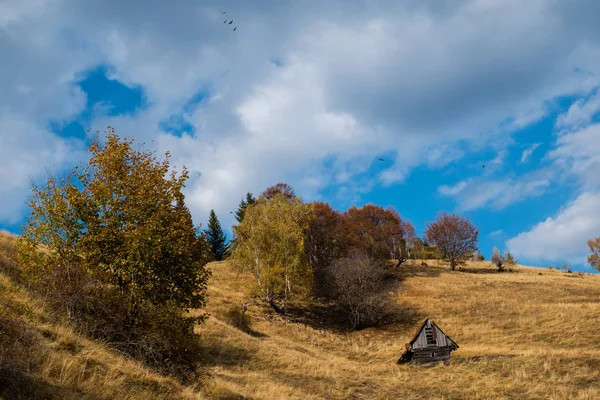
(48, 248)
(125, 222)
(270, 246)
(375, 232)
(498, 259)
(215, 237)
(454, 236)
(281, 188)
(594, 257)
(323, 244)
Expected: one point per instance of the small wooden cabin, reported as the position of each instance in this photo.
(429, 345)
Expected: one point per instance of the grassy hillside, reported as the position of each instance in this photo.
(529, 334)
(42, 360)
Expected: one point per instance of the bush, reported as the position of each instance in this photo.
(360, 288)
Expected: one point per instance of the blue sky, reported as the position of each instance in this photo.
(311, 95)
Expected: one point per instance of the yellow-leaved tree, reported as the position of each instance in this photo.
(115, 245)
(270, 246)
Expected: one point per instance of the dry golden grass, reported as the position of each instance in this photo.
(51, 362)
(522, 335)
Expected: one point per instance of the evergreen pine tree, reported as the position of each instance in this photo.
(239, 214)
(216, 238)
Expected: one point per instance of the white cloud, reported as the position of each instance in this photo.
(477, 193)
(580, 113)
(453, 190)
(496, 233)
(358, 79)
(564, 236)
(578, 154)
(528, 152)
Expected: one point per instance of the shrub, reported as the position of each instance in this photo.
(361, 289)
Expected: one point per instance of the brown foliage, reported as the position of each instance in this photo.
(594, 257)
(375, 232)
(455, 236)
(361, 289)
(281, 188)
(322, 244)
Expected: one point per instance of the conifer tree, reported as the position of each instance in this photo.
(216, 238)
(239, 214)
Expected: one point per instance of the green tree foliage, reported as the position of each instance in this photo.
(239, 214)
(594, 257)
(215, 237)
(125, 225)
(454, 236)
(270, 246)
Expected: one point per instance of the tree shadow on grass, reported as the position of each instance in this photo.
(419, 270)
(218, 353)
(18, 385)
(486, 271)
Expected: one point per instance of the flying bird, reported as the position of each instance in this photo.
(230, 212)
(483, 166)
(230, 22)
(225, 21)
(380, 159)
(224, 12)
(234, 28)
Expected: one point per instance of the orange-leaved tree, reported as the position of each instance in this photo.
(375, 232)
(455, 236)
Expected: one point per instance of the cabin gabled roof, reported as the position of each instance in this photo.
(418, 332)
(407, 355)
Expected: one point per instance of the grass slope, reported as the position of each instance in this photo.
(42, 360)
(529, 334)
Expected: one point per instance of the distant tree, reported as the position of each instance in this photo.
(565, 267)
(270, 246)
(498, 259)
(375, 232)
(323, 244)
(510, 260)
(216, 238)
(359, 287)
(477, 256)
(594, 257)
(455, 237)
(281, 188)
